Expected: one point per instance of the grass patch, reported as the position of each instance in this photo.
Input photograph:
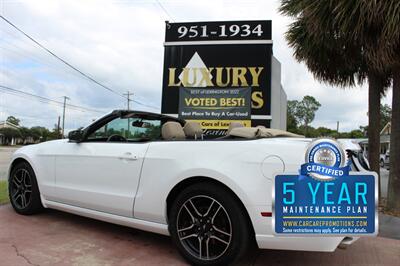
(3, 192)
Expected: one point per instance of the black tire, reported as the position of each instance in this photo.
(382, 163)
(23, 190)
(230, 219)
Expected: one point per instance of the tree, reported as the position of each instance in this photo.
(13, 120)
(386, 115)
(305, 111)
(25, 133)
(330, 51)
(40, 133)
(374, 26)
(10, 133)
(292, 123)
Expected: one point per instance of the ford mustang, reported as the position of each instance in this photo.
(158, 173)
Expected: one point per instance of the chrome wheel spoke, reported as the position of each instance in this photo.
(200, 246)
(187, 232)
(219, 239)
(186, 228)
(207, 249)
(17, 181)
(189, 212)
(221, 231)
(195, 209)
(15, 194)
(221, 236)
(23, 200)
(215, 214)
(209, 208)
(188, 236)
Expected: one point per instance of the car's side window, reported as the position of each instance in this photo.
(128, 129)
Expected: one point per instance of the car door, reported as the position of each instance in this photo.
(99, 173)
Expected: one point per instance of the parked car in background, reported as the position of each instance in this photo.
(157, 173)
(384, 159)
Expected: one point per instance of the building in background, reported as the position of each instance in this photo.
(9, 139)
(384, 145)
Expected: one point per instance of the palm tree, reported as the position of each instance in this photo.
(366, 37)
(330, 56)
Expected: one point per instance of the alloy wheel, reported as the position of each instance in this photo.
(21, 188)
(204, 227)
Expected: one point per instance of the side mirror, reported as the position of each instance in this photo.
(76, 135)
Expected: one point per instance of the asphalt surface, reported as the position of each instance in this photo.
(55, 238)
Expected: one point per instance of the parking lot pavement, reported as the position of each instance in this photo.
(5, 157)
(55, 238)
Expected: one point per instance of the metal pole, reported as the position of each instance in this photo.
(58, 127)
(128, 98)
(63, 120)
(337, 128)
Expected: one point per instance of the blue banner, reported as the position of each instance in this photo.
(342, 206)
(324, 170)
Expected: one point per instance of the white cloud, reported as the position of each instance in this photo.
(119, 43)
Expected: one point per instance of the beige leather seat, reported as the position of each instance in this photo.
(172, 131)
(193, 130)
(233, 125)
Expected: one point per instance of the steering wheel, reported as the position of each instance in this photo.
(116, 137)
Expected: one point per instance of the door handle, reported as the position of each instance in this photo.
(128, 156)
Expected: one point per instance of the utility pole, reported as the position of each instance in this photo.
(63, 120)
(337, 128)
(128, 98)
(58, 128)
(128, 95)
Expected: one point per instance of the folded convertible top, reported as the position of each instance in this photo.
(259, 132)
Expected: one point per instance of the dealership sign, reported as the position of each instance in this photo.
(218, 71)
(214, 109)
(325, 197)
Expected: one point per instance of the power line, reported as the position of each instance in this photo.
(59, 58)
(165, 10)
(76, 69)
(47, 100)
(146, 105)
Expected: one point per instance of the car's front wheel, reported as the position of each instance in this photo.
(23, 190)
(382, 163)
(208, 225)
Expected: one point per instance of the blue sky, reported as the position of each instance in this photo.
(120, 44)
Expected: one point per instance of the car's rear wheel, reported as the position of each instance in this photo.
(208, 225)
(382, 163)
(23, 190)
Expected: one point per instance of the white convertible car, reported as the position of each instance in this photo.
(157, 173)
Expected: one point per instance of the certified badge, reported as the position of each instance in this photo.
(325, 160)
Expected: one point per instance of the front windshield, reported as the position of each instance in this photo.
(130, 129)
